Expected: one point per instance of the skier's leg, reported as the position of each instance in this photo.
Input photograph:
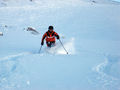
(53, 43)
(48, 44)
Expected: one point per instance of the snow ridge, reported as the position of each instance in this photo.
(103, 76)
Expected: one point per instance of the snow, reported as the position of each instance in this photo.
(1, 34)
(89, 31)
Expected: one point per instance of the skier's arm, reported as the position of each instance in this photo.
(44, 36)
(58, 37)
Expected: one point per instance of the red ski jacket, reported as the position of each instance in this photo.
(50, 36)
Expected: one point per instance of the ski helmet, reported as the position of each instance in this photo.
(50, 27)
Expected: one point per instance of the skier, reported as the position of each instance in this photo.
(50, 37)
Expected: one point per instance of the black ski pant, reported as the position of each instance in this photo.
(50, 44)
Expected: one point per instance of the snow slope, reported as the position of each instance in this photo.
(89, 31)
(19, 3)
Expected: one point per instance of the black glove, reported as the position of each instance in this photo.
(42, 43)
(58, 37)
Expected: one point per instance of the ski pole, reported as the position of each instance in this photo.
(40, 49)
(63, 46)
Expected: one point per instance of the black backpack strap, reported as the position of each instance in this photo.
(53, 33)
(47, 34)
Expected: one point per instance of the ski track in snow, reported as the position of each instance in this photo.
(106, 80)
(8, 67)
(12, 57)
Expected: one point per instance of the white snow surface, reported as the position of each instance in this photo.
(90, 32)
